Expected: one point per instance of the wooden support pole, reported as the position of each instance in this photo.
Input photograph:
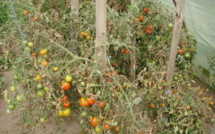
(184, 24)
(75, 15)
(133, 57)
(175, 40)
(100, 52)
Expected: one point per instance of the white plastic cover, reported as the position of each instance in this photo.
(200, 20)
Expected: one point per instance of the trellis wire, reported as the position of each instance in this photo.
(12, 9)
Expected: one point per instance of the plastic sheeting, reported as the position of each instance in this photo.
(200, 20)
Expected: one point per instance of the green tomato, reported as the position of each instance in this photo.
(15, 77)
(40, 93)
(42, 119)
(158, 37)
(20, 97)
(12, 88)
(9, 101)
(175, 78)
(68, 78)
(187, 55)
(25, 42)
(170, 25)
(82, 83)
(28, 49)
(98, 129)
(84, 113)
(39, 86)
(9, 111)
(46, 89)
(149, 47)
(11, 106)
(30, 44)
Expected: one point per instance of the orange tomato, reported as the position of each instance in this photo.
(126, 51)
(35, 18)
(150, 27)
(83, 102)
(38, 78)
(115, 64)
(45, 63)
(163, 105)
(107, 127)
(141, 18)
(117, 129)
(136, 20)
(26, 12)
(174, 91)
(64, 98)
(180, 51)
(91, 101)
(145, 10)
(114, 73)
(149, 31)
(95, 121)
(65, 86)
(109, 73)
(187, 107)
(34, 54)
(152, 106)
(102, 104)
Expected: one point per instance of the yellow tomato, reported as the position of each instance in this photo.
(43, 52)
(55, 69)
(38, 78)
(60, 113)
(88, 37)
(67, 112)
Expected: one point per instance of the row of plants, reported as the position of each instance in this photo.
(53, 81)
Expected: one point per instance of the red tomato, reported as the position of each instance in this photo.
(141, 18)
(66, 104)
(145, 10)
(64, 98)
(95, 121)
(152, 106)
(102, 104)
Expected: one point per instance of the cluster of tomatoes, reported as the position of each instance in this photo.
(96, 122)
(26, 12)
(85, 35)
(66, 85)
(126, 51)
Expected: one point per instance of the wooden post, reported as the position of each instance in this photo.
(75, 14)
(133, 57)
(175, 40)
(184, 24)
(100, 52)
